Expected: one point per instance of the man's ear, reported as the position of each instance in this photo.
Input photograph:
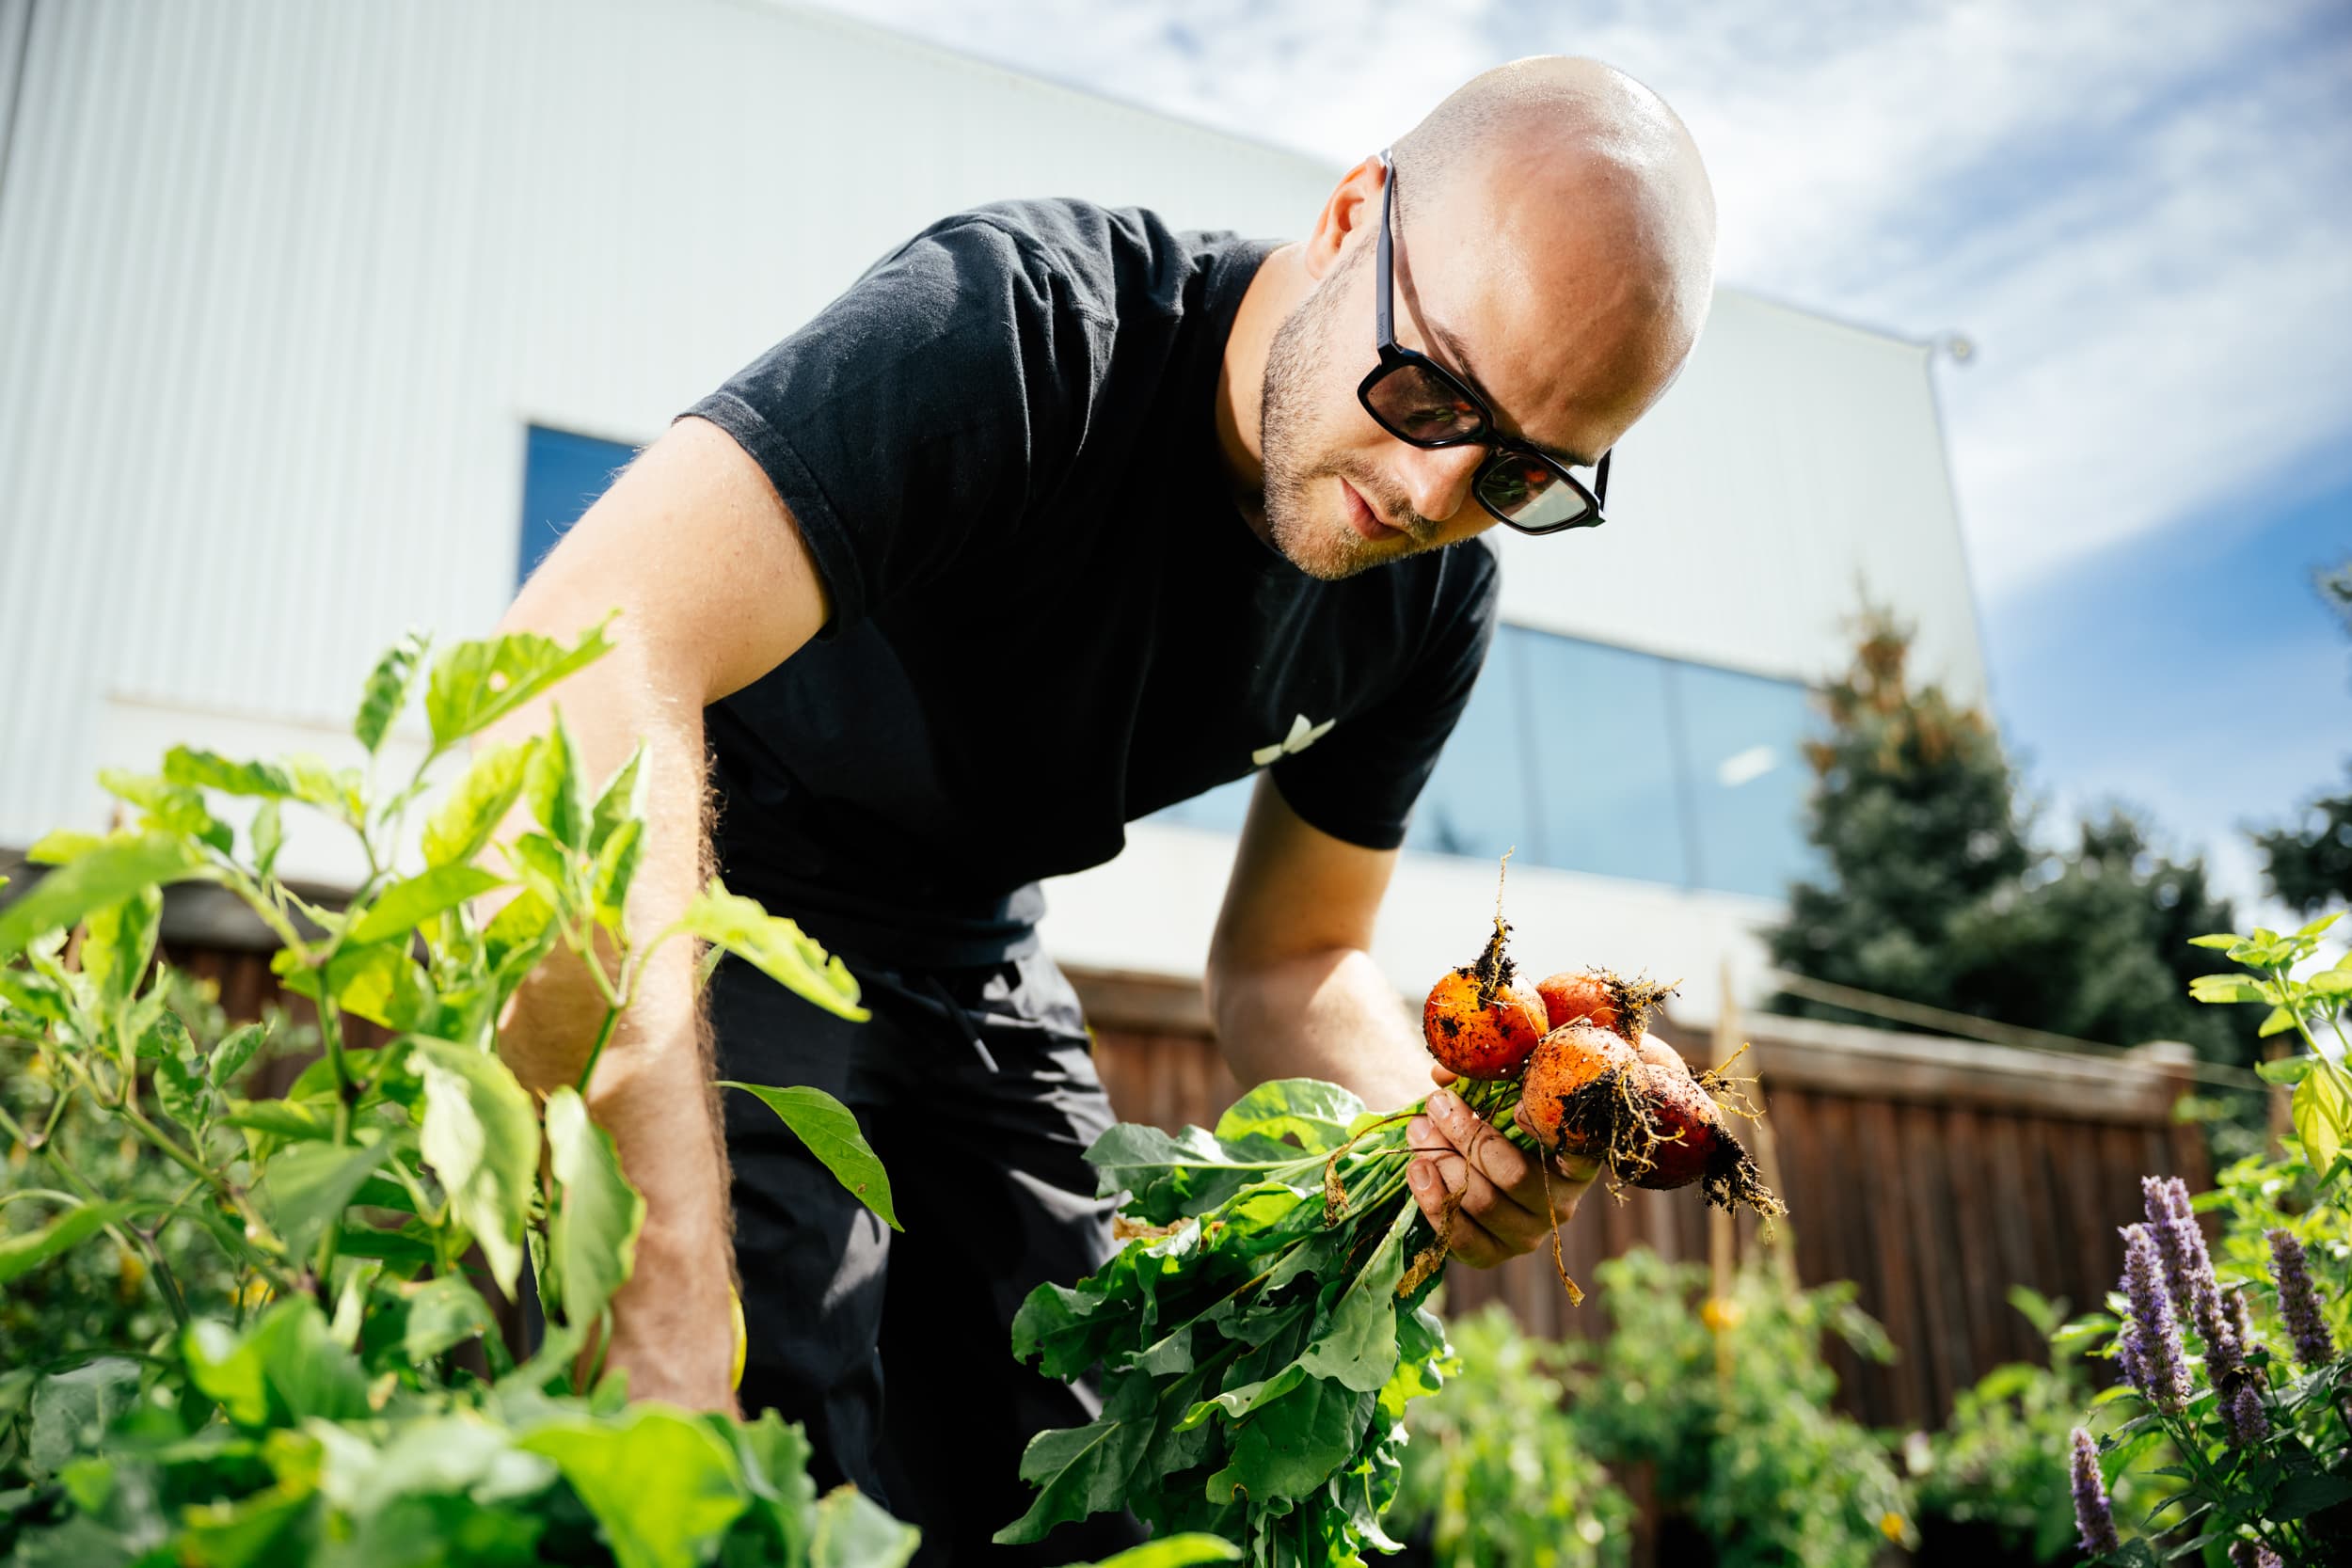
(1352, 212)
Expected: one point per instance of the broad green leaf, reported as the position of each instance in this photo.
(556, 785)
(459, 1455)
(831, 1133)
(225, 1368)
(482, 1137)
(62, 846)
(310, 1185)
(1082, 1471)
(1315, 1113)
(104, 876)
(2287, 1069)
(2321, 1112)
(387, 690)
(281, 1118)
(2300, 1496)
(775, 946)
(1173, 1551)
(283, 1370)
(616, 867)
(405, 906)
(1293, 1446)
(31, 1248)
(267, 836)
(521, 924)
(442, 1312)
(200, 769)
(2278, 1023)
(234, 1051)
(851, 1531)
(336, 790)
(2226, 988)
(478, 802)
(662, 1485)
(542, 867)
(1188, 1173)
(2320, 924)
(168, 807)
(773, 1458)
(119, 941)
(72, 1410)
(477, 683)
(593, 1230)
(2333, 982)
(180, 1085)
(622, 799)
(1357, 1347)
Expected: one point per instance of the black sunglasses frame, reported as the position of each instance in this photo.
(1393, 359)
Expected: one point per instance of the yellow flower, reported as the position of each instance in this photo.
(1721, 1313)
(1891, 1524)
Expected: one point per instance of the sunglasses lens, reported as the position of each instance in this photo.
(1419, 407)
(1531, 494)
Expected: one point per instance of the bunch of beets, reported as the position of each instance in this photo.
(1261, 1333)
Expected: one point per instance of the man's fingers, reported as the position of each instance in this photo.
(1495, 1156)
(1438, 1185)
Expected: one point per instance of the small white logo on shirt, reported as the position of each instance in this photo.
(1302, 736)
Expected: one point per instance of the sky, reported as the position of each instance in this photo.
(2138, 215)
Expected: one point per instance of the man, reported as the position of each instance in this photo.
(1055, 518)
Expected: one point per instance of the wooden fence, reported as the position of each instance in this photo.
(1934, 1173)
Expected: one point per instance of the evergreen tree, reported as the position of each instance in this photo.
(1936, 892)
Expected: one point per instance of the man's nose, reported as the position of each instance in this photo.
(1437, 479)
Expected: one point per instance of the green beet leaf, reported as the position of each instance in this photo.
(1295, 1443)
(851, 1531)
(441, 1313)
(831, 1133)
(386, 691)
(662, 1484)
(475, 684)
(775, 946)
(115, 870)
(1316, 1115)
(478, 801)
(1084, 1470)
(594, 1227)
(482, 1137)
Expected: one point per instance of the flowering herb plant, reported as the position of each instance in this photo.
(2239, 1371)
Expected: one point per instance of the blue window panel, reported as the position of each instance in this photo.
(1605, 761)
(1479, 800)
(563, 475)
(1222, 808)
(1743, 738)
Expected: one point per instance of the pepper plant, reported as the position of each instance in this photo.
(347, 1396)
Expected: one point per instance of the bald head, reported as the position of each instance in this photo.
(1588, 197)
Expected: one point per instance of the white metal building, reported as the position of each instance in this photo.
(312, 311)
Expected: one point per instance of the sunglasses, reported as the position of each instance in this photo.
(1423, 404)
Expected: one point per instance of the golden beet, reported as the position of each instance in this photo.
(1571, 1079)
(1481, 1026)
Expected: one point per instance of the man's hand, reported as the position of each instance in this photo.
(1494, 1186)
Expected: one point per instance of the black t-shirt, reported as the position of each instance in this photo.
(1048, 616)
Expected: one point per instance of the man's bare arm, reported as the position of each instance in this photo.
(715, 588)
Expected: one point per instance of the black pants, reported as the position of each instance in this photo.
(978, 1090)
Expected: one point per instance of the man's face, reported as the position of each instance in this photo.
(1560, 357)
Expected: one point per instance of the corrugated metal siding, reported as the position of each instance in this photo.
(283, 281)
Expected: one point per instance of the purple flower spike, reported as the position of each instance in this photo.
(2253, 1554)
(2243, 1417)
(2241, 1319)
(2189, 1277)
(2163, 1369)
(2298, 1303)
(2091, 1513)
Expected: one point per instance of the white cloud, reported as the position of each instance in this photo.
(2137, 210)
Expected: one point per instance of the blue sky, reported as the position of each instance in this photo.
(2139, 213)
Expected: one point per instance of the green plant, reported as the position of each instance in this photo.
(2000, 1463)
(2239, 1366)
(1497, 1474)
(1727, 1399)
(331, 1386)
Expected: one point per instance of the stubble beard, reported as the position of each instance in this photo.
(1320, 547)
